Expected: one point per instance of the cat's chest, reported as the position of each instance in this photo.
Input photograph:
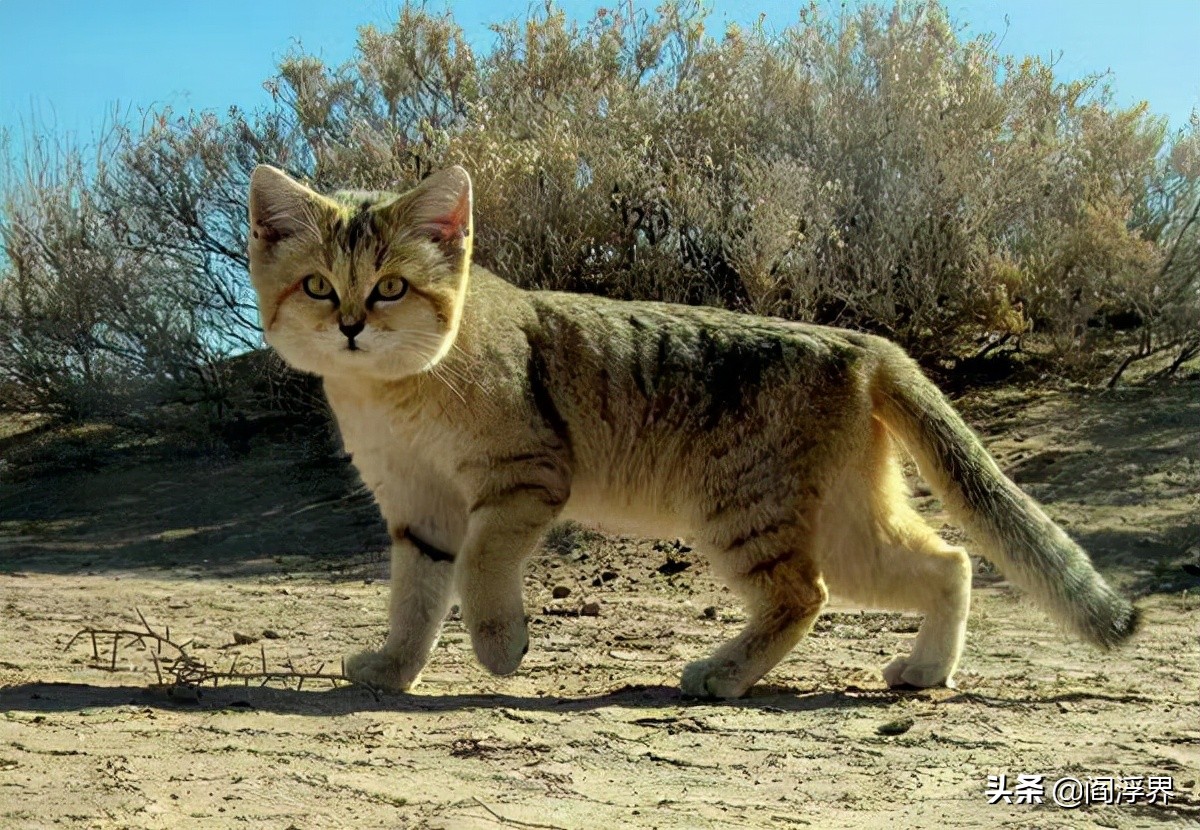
(408, 461)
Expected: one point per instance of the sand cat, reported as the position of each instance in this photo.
(479, 414)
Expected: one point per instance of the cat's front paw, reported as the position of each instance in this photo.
(901, 672)
(380, 670)
(713, 678)
(500, 644)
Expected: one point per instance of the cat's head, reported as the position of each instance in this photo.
(360, 284)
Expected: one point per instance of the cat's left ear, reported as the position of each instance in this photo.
(441, 209)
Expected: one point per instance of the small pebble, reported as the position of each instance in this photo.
(590, 609)
(896, 727)
(561, 592)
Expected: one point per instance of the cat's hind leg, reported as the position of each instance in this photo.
(770, 568)
(915, 570)
(933, 577)
(421, 581)
(882, 554)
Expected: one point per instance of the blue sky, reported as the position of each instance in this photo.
(69, 63)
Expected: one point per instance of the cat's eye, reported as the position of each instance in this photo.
(319, 288)
(390, 288)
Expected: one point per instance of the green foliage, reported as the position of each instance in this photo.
(874, 169)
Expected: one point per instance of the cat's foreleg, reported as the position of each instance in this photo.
(500, 536)
(421, 582)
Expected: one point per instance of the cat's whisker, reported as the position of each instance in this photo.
(463, 373)
(454, 372)
(436, 373)
(440, 371)
(467, 377)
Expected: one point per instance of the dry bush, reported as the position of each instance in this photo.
(873, 169)
(1166, 295)
(87, 326)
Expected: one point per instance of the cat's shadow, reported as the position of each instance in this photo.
(37, 697)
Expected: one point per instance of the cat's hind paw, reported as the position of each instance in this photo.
(713, 678)
(901, 672)
(380, 670)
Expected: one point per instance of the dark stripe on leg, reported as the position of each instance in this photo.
(768, 565)
(424, 548)
(547, 495)
(766, 530)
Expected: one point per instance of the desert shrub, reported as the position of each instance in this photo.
(87, 325)
(873, 168)
(126, 287)
(1165, 295)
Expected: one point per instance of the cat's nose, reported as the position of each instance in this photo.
(352, 330)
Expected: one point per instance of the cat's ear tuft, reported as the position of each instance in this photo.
(280, 206)
(441, 208)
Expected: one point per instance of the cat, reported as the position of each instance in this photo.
(479, 414)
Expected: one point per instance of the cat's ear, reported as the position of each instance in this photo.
(280, 207)
(441, 209)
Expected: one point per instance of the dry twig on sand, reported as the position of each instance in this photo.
(179, 670)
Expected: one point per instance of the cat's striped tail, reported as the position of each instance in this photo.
(1011, 527)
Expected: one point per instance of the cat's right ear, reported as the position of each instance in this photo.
(280, 207)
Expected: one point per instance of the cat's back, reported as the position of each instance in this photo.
(664, 345)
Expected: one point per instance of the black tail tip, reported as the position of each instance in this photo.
(1133, 622)
(1124, 624)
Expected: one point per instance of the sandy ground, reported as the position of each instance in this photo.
(592, 731)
